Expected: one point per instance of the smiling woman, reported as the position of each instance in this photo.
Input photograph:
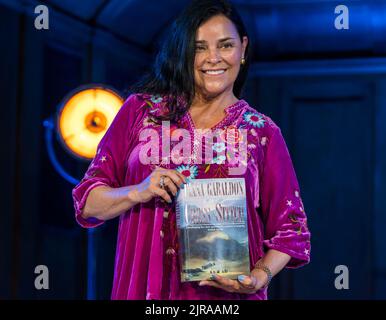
(208, 41)
(219, 54)
(195, 83)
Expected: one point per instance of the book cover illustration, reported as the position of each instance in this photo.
(212, 228)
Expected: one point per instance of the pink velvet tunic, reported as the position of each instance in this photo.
(146, 263)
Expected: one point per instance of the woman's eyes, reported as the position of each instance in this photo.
(225, 45)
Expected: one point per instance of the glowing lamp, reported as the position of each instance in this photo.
(82, 120)
(84, 117)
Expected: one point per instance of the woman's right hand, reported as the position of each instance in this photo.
(150, 187)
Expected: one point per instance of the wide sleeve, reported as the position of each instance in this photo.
(282, 208)
(108, 166)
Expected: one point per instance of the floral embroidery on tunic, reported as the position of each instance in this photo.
(254, 119)
(190, 172)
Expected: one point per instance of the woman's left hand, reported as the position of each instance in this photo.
(244, 284)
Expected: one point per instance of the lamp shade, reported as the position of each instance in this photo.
(84, 117)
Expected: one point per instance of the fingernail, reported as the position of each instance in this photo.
(212, 276)
(181, 185)
(241, 278)
(170, 201)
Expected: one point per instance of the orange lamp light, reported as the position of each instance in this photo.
(85, 117)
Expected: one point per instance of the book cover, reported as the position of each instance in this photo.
(212, 228)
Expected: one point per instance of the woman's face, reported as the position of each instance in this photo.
(218, 47)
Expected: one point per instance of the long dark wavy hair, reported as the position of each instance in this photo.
(172, 74)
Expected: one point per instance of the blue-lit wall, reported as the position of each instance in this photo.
(325, 88)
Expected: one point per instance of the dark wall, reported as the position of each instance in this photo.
(8, 80)
(38, 68)
(333, 126)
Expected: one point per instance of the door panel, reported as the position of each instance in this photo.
(329, 127)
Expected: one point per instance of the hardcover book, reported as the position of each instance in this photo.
(212, 228)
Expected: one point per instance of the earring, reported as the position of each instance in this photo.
(242, 61)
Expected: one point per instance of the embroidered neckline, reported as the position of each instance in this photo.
(228, 110)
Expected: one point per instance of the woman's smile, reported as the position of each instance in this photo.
(214, 73)
(219, 51)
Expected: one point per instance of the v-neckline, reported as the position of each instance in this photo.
(219, 123)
